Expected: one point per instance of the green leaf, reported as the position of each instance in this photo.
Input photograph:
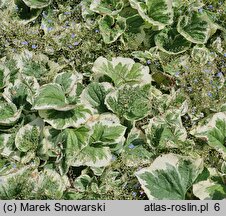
(17, 184)
(169, 177)
(134, 34)
(4, 139)
(195, 28)
(109, 7)
(50, 185)
(200, 54)
(16, 92)
(134, 24)
(24, 13)
(64, 119)
(4, 76)
(37, 3)
(214, 131)
(134, 151)
(51, 96)
(171, 42)
(9, 113)
(98, 171)
(159, 13)
(105, 130)
(111, 28)
(49, 143)
(37, 65)
(86, 13)
(166, 131)
(132, 103)
(151, 54)
(121, 71)
(82, 182)
(7, 145)
(93, 156)
(209, 190)
(217, 19)
(128, 11)
(28, 136)
(217, 45)
(212, 188)
(107, 134)
(74, 140)
(94, 95)
(11, 64)
(23, 90)
(174, 66)
(68, 80)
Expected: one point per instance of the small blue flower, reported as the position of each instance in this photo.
(207, 70)
(210, 94)
(34, 46)
(190, 89)
(134, 194)
(49, 21)
(219, 74)
(148, 61)
(73, 35)
(200, 10)
(24, 43)
(76, 43)
(14, 166)
(113, 158)
(43, 26)
(224, 54)
(50, 29)
(131, 146)
(210, 6)
(70, 46)
(177, 74)
(97, 30)
(67, 13)
(195, 80)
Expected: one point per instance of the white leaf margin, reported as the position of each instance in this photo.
(160, 163)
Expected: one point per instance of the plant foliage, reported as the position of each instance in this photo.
(106, 99)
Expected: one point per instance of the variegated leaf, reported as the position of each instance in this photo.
(169, 177)
(121, 71)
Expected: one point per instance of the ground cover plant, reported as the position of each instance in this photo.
(106, 99)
